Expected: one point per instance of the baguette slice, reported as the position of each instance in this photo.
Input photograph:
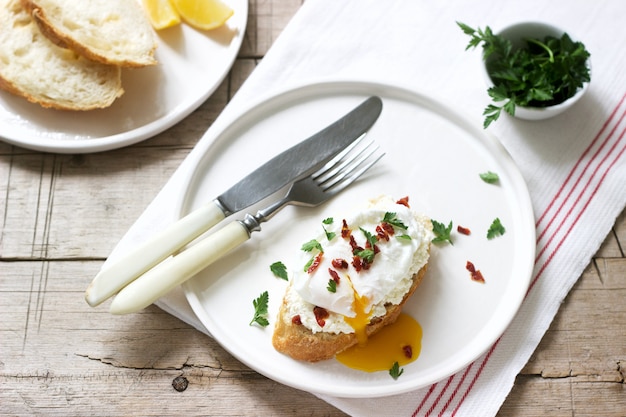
(309, 342)
(115, 32)
(302, 344)
(33, 67)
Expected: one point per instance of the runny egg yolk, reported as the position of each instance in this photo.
(399, 342)
(362, 318)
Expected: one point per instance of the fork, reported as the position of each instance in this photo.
(310, 191)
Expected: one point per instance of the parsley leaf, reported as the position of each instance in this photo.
(312, 244)
(543, 73)
(332, 285)
(279, 270)
(329, 235)
(489, 177)
(371, 239)
(260, 310)
(404, 237)
(496, 229)
(308, 264)
(396, 371)
(366, 254)
(442, 232)
(393, 220)
(491, 113)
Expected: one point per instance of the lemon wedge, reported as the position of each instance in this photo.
(161, 13)
(203, 14)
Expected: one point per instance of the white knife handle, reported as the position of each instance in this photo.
(164, 277)
(120, 272)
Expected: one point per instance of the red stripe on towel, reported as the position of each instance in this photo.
(428, 394)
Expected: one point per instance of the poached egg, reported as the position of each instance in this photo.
(358, 264)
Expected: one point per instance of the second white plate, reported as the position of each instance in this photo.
(192, 64)
(435, 157)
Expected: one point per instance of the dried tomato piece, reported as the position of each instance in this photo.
(360, 264)
(320, 315)
(404, 201)
(345, 231)
(316, 262)
(297, 320)
(357, 263)
(334, 275)
(353, 244)
(478, 277)
(340, 263)
(381, 234)
(463, 230)
(475, 274)
(365, 265)
(408, 351)
(384, 231)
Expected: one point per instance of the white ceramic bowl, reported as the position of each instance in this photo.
(516, 33)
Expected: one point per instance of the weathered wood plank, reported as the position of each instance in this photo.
(620, 232)
(564, 397)
(25, 205)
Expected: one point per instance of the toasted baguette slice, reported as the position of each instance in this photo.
(33, 67)
(115, 32)
(302, 344)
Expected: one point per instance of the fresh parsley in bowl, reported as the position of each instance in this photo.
(535, 70)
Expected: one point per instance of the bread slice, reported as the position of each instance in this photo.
(115, 32)
(302, 344)
(296, 333)
(33, 67)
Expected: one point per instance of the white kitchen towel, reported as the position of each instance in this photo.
(574, 164)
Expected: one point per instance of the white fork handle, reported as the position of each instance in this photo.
(121, 272)
(164, 277)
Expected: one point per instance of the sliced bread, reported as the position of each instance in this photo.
(115, 32)
(33, 67)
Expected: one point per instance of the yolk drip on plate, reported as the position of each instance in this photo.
(398, 342)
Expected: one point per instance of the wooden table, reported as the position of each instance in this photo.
(61, 215)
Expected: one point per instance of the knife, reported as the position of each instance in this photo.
(295, 163)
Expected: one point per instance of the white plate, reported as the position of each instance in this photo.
(435, 157)
(191, 66)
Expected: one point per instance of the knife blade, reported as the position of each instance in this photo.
(289, 166)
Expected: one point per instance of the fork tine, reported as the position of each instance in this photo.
(347, 167)
(348, 176)
(356, 155)
(340, 160)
